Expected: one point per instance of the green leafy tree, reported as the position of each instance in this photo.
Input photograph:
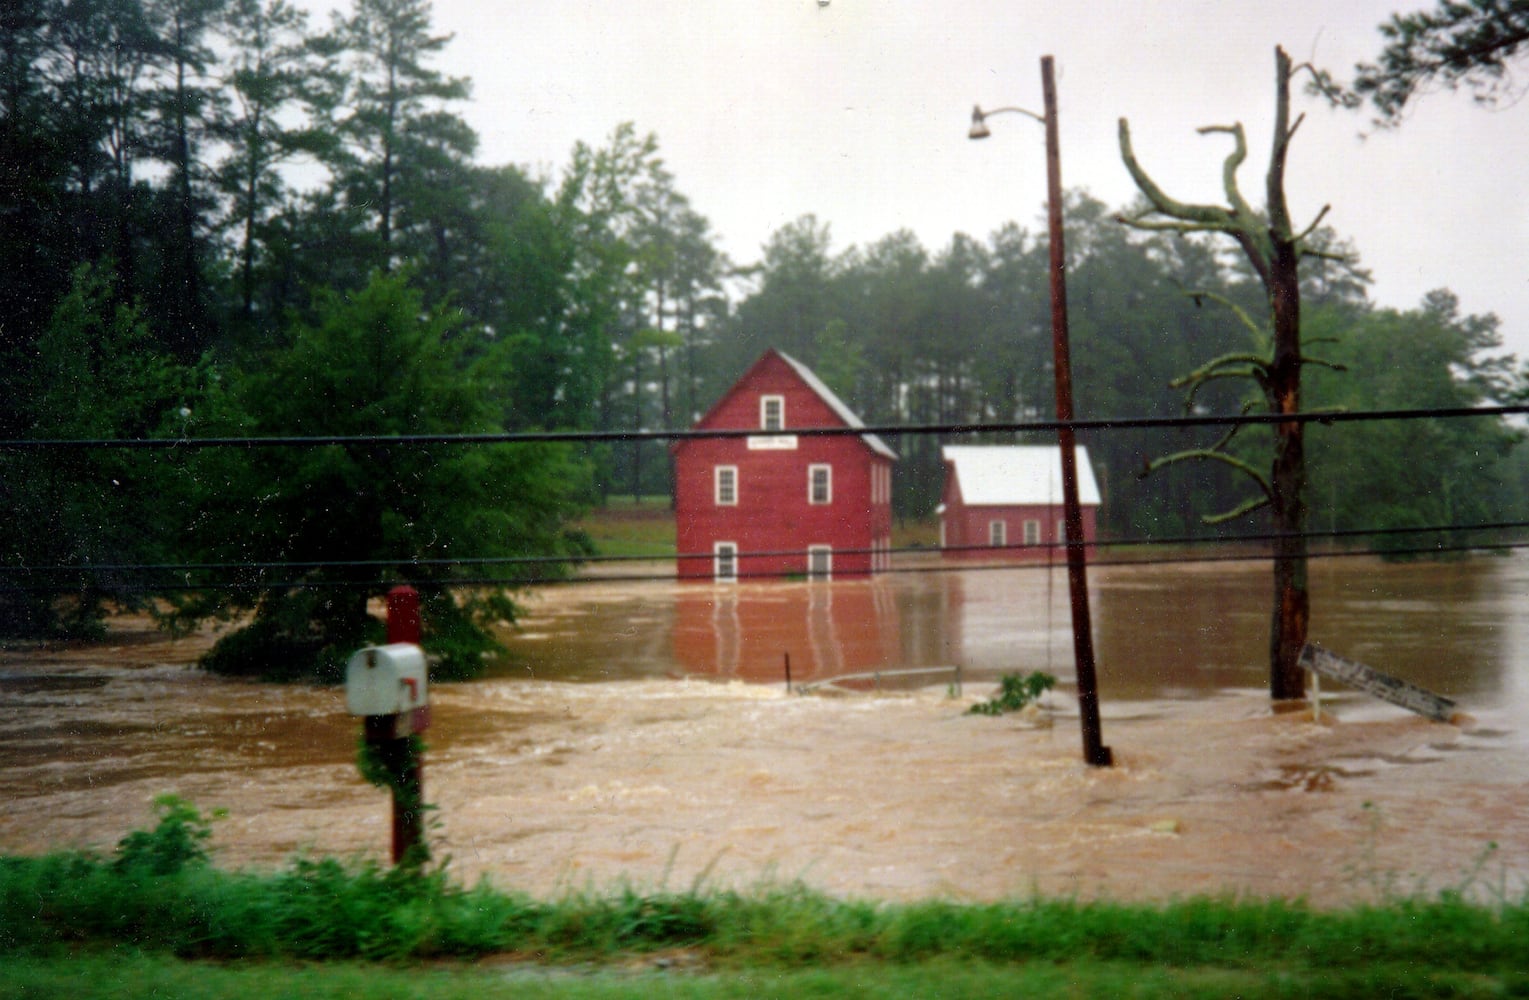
(183, 104)
(643, 266)
(101, 56)
(363, 517)
(37, 247)
(391, 112)
(1459, 43)
(1414, 473)
(73, 515)
(797, 297)
(1134, 331)
(700, 307)
(265, 78)
(1014, 327)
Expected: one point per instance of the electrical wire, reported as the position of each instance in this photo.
(184, 570)
(999, 550)
(463, 583)
(887, 430)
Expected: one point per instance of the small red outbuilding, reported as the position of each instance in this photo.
(774, 503)
(1005, 501)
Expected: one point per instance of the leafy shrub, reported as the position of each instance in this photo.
(178, 840)
(1014, 693)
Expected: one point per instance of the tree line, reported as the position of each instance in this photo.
(219, 219)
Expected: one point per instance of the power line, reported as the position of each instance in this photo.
(998, 552)
(888, 430)
(596, 559)
(671, 578)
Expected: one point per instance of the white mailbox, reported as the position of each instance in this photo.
(385, 680)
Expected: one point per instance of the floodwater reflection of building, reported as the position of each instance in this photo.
(745, 631)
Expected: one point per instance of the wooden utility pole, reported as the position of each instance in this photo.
(1095, 753)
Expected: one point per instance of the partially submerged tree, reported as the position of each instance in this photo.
(1274, 249)
(75, 517)
(348, 520)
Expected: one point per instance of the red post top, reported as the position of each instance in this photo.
(403, 615)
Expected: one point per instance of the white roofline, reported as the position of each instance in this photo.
(1013, 475)
(836, 404)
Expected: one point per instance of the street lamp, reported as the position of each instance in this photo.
(979, 129)
(1095, 752)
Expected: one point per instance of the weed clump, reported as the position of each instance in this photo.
(1014, 693)
(179, 839)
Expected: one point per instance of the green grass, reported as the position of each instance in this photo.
(645, 528)
(624, 528)
(154, 918)
(131, 976)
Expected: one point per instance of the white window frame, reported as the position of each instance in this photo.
(998, 533)
(727, 474)
(724, 554)
(828, 484)
(1032, 531)
(816, 552)
(779, 423)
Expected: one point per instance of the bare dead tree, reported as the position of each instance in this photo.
(1274, 249)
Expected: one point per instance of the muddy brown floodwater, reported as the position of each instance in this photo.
(641, 734)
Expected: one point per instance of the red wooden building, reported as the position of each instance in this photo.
(1005, 501)
(774, 503)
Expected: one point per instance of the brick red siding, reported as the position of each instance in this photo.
(965, 529)
(772, 513)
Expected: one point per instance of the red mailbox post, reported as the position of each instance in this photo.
(387, 686)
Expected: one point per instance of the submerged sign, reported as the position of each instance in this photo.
(1384, 686)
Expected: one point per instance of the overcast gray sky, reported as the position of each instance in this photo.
(857, 110)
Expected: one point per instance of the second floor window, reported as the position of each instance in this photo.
(820, 484)
(772, 413)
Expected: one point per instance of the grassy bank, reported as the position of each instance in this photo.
(127, 923)
(131, 977)
(641, 527)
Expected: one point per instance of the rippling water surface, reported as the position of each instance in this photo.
(1168, 631)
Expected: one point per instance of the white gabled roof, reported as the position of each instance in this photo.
(836, 404)
(1006, 475)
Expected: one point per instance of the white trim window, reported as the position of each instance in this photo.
(820, 562)
(724, 562)
(772, 413)
(820, 484)
(997, 534)
(1032, 532)
(725, 485)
